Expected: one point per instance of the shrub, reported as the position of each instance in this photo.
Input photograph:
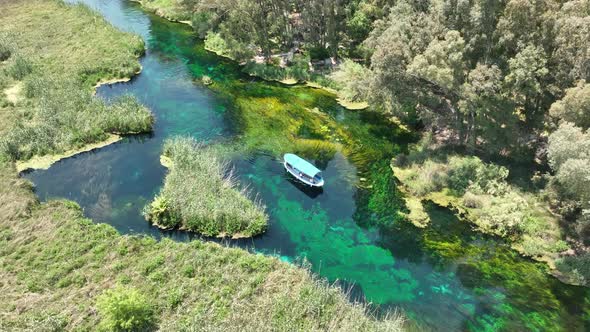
(159, 211)
(505, 215)
(577, 266)
(352, 77)
(299, 68)
(215, 43)
(124, 309)
(471, 172)
(472, 201)
(20, 68)
(5, 51)
(430, 177)
(462, 173)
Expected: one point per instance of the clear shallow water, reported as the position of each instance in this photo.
(445, 277)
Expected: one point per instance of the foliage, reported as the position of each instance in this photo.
(574, 106)
(481, 192)
(351, 77)
(577, 266)
(124, 309)
(20, 67)
(5, 49)
(569, 156)
(200, 194)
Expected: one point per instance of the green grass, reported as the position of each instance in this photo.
(56, 61)
(57, 267)
(200, 194)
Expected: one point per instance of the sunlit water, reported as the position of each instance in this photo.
(445, 277)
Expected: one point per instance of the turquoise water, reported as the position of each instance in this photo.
(445, 277)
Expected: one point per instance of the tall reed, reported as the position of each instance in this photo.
(202, 194)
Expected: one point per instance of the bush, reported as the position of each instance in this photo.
(472, 201)
(20, 68)
(577, 266)
(352, 77)
(124, 309)
(472, 173)
(159, 211)
(506, 215)
(202, 192)
(5, 50)
(299, 68)
(430, 177)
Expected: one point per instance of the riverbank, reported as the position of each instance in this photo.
(45, 161)
(60, 266)
(59, 263)
(297, 72)
(480, 194)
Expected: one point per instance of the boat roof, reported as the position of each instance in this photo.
(301, 164)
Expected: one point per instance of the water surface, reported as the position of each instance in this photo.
(445, 277)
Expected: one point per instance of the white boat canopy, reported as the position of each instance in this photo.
(301, 165)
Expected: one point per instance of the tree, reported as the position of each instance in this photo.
(486, 113)
(124, 309)
(394, 42)
(574, 175)
(526, 79)
(572, 45)
(575, 106)
(442, 62)
(567, 142)
(352, 77)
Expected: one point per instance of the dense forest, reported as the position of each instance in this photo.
(503, 80)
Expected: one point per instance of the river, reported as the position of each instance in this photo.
(445, 277)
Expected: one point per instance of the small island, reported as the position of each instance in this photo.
(202, 195)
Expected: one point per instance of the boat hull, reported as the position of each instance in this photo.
(303, 179)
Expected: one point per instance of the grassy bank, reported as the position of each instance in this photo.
(201, 195)
(48, 75)
(480, 193)
(57, 269)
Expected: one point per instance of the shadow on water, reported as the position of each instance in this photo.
(445, 277)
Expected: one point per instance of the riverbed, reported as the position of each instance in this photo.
(445, 277)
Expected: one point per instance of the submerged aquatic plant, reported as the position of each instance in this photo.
(201, 194)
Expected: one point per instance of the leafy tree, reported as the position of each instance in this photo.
(575, 106)
(352, 77)
(442, 62)
(572, 44)
(526, 79)
(486, 113)
(567, 142)
(124, 309)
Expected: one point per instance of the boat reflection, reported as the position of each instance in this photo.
(309, 191)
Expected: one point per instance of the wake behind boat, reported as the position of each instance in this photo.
(303, 170)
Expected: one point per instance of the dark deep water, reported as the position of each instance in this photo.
(445, 277)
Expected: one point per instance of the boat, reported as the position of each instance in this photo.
(303, 170)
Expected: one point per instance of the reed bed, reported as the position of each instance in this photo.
(201, 194)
